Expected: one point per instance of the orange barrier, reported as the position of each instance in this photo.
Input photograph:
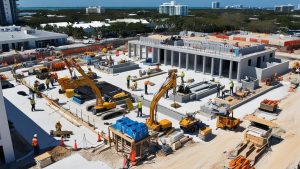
(58, 66)
(264, 41)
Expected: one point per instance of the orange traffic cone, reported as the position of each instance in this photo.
(133, 157)
(62, 142)
(99, 137)
(75, 146)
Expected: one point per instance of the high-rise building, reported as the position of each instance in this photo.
(284, 8)
(8, 12)
(215, 5)
(6, 147)
(94, 9)
(172, 8)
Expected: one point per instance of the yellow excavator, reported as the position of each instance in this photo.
(70, 83)
(164, 124)
(100, 105)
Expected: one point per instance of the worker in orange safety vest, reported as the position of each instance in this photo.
(35, 144)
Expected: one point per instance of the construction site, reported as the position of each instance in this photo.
(151, 102)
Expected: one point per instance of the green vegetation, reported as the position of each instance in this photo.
(201, 20)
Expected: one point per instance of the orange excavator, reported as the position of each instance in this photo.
(162, 124)
(100, 105)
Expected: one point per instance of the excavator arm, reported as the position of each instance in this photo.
(170, 83)
(91, 83)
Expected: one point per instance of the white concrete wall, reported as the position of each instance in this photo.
(5, 138)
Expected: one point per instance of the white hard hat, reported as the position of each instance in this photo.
(35, 135)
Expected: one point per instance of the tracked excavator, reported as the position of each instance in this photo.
(100, 105)
(152, 122)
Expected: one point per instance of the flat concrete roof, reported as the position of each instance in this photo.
(207, 38)
(22, 36)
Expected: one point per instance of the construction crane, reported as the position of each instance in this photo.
(163, 124)
(100, 105)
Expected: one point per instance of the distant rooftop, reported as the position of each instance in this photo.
(14, 33)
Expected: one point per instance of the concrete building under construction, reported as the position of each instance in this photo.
(210, 56)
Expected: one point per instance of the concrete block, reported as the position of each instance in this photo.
(177, 145)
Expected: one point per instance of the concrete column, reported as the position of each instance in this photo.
(165, 56)
(147, 52)
(172, 58)
(5, 137)
(141, 51)
(204, 60)
(230, 69)
(129, 50)
(158, 55)
(220, 67)
(134, 50)
(239, 72)
(212, 66)
(195, 63)
(179, 62)
(187, 61)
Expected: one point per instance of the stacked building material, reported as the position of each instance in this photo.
(133, 129)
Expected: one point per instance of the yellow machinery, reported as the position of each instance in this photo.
(70, 83)
(100, 104)
(226, 121)
(42, 72)
(91, 54)
(189, 123)
(163, 124)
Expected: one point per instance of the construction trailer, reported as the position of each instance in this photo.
(127, 145)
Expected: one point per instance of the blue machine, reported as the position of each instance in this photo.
(78, 100)
(133, 129)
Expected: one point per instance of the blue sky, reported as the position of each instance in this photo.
(148, 3)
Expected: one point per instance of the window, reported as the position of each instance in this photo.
(263, 58)
(249, 62)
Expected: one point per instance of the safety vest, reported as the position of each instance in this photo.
(231, 84)
(140, 105)
(32, 101)
(182, 74)
(128, 77)
(34, 142)
(47, 81)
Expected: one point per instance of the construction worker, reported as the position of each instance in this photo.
(140, 108)
(125, 162)
(128, 81)
(182, 77)
(146, 83)
(47, 83)
(223, 94)
(35, 144)
(111, 61)
(218, 89)
(52, 80)
(32, 103)
(55, 77)
(58, 126)
(231, 85)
